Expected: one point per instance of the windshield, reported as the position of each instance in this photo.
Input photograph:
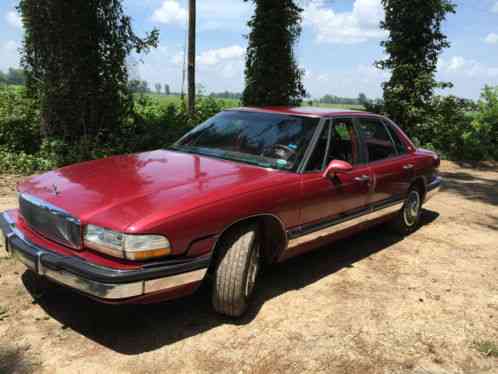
(264, 139)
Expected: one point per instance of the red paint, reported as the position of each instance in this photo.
(90, 256)
(188, 198)
(202, 246)
(337, 167)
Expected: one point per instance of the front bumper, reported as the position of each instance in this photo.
(97, 281)
(433, 188)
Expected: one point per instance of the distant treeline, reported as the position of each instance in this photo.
(17, 77)
(13, 77)
(362, 99)
(226, 95)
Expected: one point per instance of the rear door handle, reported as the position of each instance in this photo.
(362, 179)
(408, 167)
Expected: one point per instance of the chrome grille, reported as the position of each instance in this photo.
(52, 222)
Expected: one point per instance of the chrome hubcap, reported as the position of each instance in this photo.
(252, 271)
(412, 208)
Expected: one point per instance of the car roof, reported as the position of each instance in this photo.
(305, 111)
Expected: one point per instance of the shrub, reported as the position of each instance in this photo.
(482, 136)
(459, 129)
(151, 125)
(455, 129)
(19, 119)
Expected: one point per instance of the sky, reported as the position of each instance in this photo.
(337, 49)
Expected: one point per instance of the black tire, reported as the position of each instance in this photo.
(408, 218)
(235, 275)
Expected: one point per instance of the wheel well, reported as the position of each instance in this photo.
(420, 185)
(273, 234)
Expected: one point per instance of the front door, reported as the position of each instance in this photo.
(327, 199)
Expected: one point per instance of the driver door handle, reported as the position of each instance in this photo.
(362, 179)
(408, 167)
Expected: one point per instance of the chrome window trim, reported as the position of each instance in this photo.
(365, 148)
(311, 147)
(392, 132)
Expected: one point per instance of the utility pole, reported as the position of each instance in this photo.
(191, 57)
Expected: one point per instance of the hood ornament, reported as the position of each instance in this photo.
(55, 190)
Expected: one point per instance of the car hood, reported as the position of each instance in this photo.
(119, 191)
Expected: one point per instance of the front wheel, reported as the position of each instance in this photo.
(236, 271)
(408, 218)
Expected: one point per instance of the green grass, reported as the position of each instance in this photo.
(487, 348)
(176, 100)
(337, 106)
(233, 103)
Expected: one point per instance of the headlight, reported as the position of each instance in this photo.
(131, 247)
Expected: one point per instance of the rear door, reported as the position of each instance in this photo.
(388, 160)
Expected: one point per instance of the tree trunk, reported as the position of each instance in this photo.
(191, 57)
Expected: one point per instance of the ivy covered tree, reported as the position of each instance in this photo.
(413, 47)
(74, 55)
(272, 74)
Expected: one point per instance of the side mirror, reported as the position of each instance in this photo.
(337, 167)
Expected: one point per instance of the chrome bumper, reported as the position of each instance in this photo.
(91, 279)
(433, 188)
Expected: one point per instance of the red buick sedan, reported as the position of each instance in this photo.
(248, 187)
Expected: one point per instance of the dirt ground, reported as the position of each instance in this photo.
(376, 303)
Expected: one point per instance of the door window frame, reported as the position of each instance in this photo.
(364, 147)
(394, 132)
(329, 121)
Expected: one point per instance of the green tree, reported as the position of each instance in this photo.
(16, 77)
(159, 88)
(134, 86)
(483, 138)
(272, 74)
(74, 57)
(13, 76)
(413, 47)
(362, 99)
(167, 90)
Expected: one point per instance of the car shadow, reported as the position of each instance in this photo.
(471, 187)
(135, 329)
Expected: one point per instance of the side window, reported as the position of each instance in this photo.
(317, 161)
(377, 140)
(343, 142)
(338, 141)
(400, 146)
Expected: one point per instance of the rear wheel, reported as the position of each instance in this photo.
(236, 270)
(408, 219)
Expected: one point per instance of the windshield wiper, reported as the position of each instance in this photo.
(247, 161)
(197, 151)
(224, 155)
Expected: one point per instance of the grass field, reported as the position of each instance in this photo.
(176, 100)
(335, 106)
(231, 103)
